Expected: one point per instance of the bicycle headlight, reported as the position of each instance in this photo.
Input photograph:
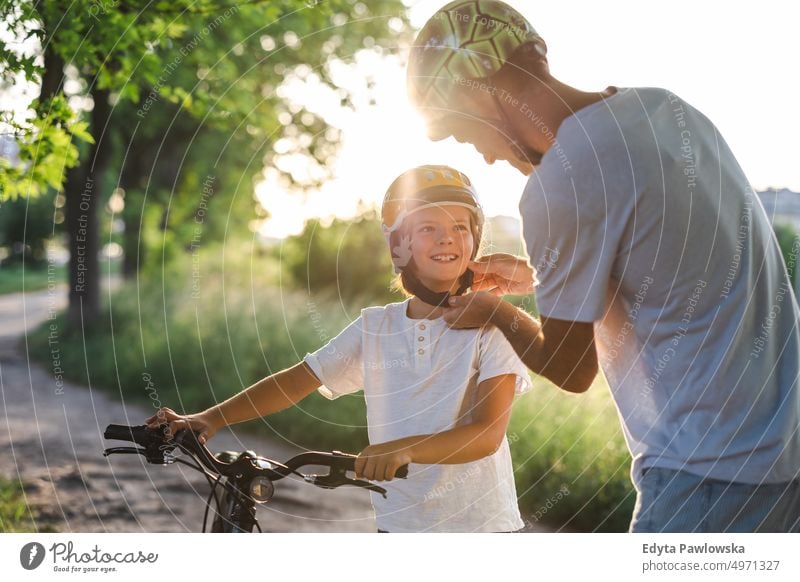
(261, 489)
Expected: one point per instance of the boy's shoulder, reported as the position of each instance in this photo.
(378, 313)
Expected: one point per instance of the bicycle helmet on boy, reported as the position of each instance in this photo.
(415, 189)
(466, 39)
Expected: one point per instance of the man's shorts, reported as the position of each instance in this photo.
(676, 501)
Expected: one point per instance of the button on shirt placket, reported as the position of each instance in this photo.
(422, 344)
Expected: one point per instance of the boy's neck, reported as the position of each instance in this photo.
(418, 309)
(439, 286)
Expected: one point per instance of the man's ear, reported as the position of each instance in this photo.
(534, 56)
(540, 47)
(528, 60)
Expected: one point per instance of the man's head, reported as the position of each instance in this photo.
(467, 67)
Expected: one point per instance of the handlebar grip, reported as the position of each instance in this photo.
(134, 434)
(402, 472)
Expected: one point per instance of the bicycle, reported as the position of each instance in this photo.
(245, 479)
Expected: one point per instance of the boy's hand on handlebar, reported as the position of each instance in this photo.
(198, 423)
(381, 462)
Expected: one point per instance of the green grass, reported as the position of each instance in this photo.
(16, 278)
(14, 513)
(12, 278)
(164, 345)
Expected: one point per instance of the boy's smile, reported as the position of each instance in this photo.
(444, 258)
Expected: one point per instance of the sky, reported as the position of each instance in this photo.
(735, 61)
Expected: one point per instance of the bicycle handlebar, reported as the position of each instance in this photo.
(156, 442)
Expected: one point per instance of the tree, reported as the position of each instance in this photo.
(215, 67)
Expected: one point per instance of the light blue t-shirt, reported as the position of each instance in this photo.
(640, 219)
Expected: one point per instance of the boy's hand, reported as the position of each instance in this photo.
(503, 274)
(472, 311)
(199, 423)
(380, 462)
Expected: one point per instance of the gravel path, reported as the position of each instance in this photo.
(51, 439)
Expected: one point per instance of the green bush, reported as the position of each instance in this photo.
(347, 259)
(788, 243)
(26, 226)
(571, 462)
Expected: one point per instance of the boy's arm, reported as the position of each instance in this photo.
(462, 444)
(267, 396)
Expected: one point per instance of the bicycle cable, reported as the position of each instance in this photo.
(213, 482)
(208, 500)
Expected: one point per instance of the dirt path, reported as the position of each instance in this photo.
(51, 439)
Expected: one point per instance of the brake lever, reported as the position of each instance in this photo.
(123, 451)
(154, 455)
(333, 481)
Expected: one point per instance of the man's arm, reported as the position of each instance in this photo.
(561, 351)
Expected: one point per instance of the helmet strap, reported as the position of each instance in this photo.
(435, 298)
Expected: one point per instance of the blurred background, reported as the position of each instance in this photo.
(199, 179)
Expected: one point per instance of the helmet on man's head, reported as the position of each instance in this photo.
(466, 39)
(423, 187)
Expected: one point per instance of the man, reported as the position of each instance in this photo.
(656, 262)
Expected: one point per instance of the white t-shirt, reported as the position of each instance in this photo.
(640, 219)
(419, 377)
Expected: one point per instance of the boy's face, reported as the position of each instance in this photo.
(441, 245)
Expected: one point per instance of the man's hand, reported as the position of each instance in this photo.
(380, 462)
(473, 310)
(503, 274)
